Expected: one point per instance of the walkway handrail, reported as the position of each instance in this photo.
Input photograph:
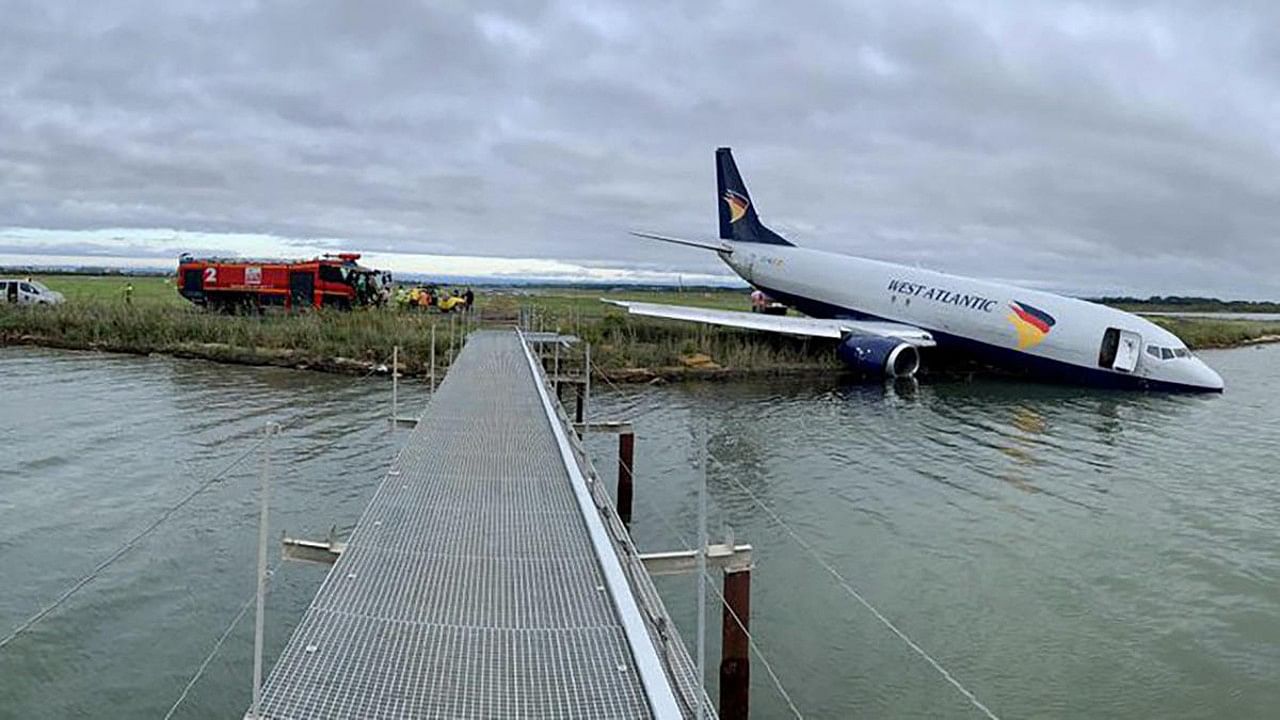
(653, 674)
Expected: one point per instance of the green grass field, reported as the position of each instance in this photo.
(148, 291)
(158, 320)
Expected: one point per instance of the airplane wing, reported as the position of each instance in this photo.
(810, 327)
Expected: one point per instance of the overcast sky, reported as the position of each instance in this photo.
(1089, 147)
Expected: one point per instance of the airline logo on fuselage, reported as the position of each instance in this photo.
(1032, 324)
(942, 295)
(737, 205)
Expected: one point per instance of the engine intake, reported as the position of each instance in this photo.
(880, 356)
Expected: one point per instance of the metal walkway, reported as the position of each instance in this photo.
(485, 579)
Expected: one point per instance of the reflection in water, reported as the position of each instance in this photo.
(1020, 450)
(1026, 419)
(906, 388)
(1069, 552)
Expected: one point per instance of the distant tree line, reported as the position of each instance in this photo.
(114, 272)
(1190, 303)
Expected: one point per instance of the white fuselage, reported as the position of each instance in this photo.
(965, 311)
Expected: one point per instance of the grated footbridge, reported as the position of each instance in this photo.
(489, 577)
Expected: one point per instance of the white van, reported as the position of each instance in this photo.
(27, 292)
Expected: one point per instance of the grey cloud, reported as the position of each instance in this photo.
(88, 249)
(1107, 145)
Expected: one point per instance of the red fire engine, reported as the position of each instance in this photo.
(331, 281)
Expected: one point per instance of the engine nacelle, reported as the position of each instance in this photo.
(880, 356)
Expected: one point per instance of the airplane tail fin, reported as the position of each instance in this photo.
(738, 219)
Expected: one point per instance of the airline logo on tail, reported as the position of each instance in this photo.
(737, 205)
(1032, 324)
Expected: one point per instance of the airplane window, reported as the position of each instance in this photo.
(1166, 354)
(1153, 351)
(1182, 352)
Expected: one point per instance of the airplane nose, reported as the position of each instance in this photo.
(1207, 377)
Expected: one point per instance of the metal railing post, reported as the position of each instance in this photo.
(586, 386)
(433, 358)
(264, 499)
(702, 571)
(395, 384)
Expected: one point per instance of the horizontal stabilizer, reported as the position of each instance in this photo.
(785, 324)
(716, 245)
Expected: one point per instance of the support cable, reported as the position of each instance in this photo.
(244, 609)
(127, 546)
(751, 640)
(849, 589)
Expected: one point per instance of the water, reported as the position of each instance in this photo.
(1063, 552)
(94, 447)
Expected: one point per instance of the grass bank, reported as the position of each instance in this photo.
(1206, 333)
(96, 317)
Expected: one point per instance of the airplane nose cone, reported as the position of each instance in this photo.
(1207, 377)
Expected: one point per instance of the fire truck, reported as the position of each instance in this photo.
(329, 281)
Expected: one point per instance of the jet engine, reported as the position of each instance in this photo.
(880, 356)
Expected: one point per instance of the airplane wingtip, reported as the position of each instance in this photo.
(718, 245)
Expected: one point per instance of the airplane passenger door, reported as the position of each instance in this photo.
(1129, 352)
(1120, 350)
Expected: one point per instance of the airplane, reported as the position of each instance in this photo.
(883, 314)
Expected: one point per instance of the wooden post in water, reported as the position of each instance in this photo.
(735, 658)
(626, 464)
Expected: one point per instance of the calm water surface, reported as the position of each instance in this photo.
(1064, 552)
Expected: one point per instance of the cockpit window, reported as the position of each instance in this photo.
(1164, 353)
